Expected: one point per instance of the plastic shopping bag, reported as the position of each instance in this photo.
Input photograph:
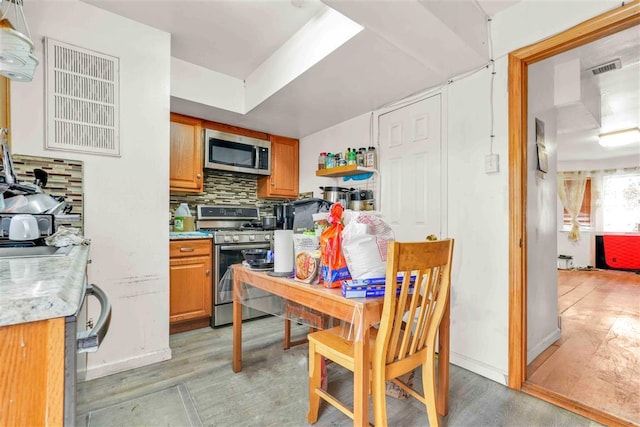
(364, 244)
(333, 265)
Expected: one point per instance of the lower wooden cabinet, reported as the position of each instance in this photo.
(32, 372)
(189, 284)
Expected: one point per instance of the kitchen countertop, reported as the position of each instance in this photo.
(181, 235)
(41, 288)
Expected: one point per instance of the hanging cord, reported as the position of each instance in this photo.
(5, 11)
(19, 14)
(19, 6)
(492, 64)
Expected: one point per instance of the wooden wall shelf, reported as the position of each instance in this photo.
(348, 170)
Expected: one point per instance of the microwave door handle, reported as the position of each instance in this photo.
(256, 163)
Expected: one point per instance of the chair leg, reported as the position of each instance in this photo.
(287, 334)
(315, 371)
(429, 387)
(378, 394)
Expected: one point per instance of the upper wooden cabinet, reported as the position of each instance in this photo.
(185, 170)
(283, 181)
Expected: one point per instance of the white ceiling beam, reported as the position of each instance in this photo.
(312, 43)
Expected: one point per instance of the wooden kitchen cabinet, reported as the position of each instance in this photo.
(189, 284)
(186, 155)
(283, 181)
(32, 372)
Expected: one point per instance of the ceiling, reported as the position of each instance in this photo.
(618, 91)
(382, 63)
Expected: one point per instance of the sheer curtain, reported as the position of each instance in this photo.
(571, 192)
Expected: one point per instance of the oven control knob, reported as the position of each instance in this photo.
(252, 237)
(267, 237)
(236, 237)
(227, 238)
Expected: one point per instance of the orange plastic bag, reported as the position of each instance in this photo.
(333, 265)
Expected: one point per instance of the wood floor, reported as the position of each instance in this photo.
(597, 359)
(272, 389)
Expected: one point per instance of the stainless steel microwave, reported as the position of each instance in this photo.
(236, 153)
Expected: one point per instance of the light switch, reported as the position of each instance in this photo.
(491, 163)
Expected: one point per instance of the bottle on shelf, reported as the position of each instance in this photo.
(371, 158)
(351, 157)
(322, 160)
(331, 161)
(360, 157)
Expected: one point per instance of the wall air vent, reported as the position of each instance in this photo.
(82, 100)
(609, 66)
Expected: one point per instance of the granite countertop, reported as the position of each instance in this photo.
(181, 235)
(41, 288)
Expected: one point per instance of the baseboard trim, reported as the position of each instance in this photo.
(574, 406)
(543, 345)
(480, 368)
(105, 369)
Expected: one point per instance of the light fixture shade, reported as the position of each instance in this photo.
(619, 137)
(15, 48)
(18, 72)
(17, 60)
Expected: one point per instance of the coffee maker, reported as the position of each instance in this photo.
(284, 213)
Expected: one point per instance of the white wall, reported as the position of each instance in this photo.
(542, 230)
(126, 198)
(582, 251)
(478, 203)
(352, 133)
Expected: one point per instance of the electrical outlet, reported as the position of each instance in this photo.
(491, 163)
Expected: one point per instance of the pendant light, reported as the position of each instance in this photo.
(17, 61)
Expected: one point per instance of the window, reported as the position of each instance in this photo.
(584, 217)
(621, 203)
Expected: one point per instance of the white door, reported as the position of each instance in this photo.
(411, 169)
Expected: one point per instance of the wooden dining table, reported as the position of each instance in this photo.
(360, 313)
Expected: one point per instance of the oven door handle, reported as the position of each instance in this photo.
(89, 341)
(239, 247)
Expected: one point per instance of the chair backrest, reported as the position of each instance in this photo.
(414, 305)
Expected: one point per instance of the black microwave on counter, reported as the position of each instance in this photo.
(236, 153)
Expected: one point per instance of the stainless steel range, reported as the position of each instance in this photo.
(234, 229)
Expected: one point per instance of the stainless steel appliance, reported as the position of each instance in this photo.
(77, 343)
(78, 339)
(284, 213)
(234, 228)
(237, 153)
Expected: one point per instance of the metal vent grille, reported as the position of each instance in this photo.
(609, 66)
(82, 100)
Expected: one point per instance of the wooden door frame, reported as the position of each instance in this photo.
(596, 28)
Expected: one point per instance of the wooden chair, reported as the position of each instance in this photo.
(406, 336)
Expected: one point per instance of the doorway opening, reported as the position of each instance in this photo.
(601, 26)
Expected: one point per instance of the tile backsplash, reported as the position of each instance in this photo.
(225, 188)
